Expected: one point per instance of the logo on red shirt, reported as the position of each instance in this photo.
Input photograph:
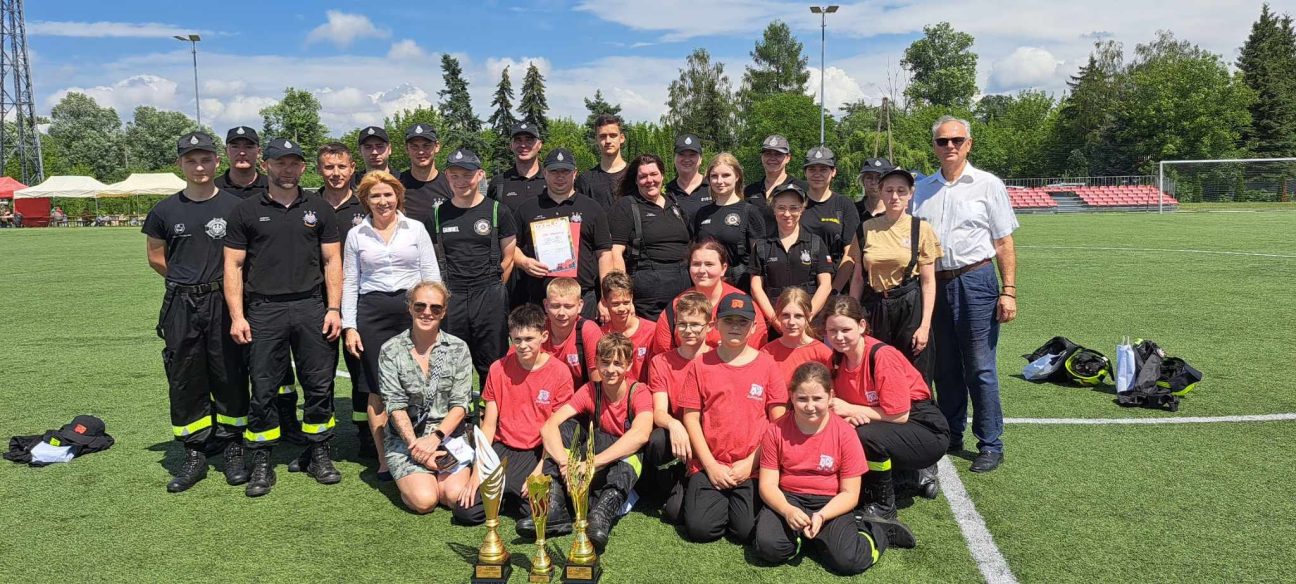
(542, 397)
(757, 391)
(573, 359)
(825, 463)
(871, 396)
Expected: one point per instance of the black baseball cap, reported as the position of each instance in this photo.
(195, 141)
(373, 132)
(425, 131)
(897, 171)
(776, 143)
(560, 159)
(877, 165)
(791, 187)
(737, 304)
(242, 133)
(686, 142)
(525, 128)
(464, 158)
(280, 147)
(820, 155)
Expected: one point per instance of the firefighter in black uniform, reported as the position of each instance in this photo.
(560, 200)
(775, 155)
(280, 249)
(375, 150)
(522, 181)
(830, 215)
(650, 237)
(243, 149)
(204, 367)
(425, 186)
(475, 239)
(603, 181)
(689, 187)
(870, 204)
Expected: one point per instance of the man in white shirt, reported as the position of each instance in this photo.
(973, 218)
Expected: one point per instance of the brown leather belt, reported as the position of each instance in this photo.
(956, 272)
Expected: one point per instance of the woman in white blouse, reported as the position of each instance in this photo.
(384, 256)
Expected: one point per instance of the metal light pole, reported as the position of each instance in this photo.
(193, 42)
(823, 12)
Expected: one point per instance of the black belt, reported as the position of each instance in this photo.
(314, 293)
(956, 272)
(195, 288)
(904, 289)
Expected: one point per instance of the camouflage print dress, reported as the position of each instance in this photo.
(427, 399)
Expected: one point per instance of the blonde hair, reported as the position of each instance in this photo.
(563, 288)
(435, 286)
(727, 159)
(798, 296)
(374, 178)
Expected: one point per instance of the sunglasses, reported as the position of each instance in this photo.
(958, 141)
(421, 307)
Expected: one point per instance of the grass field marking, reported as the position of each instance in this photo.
(1137, 421)
(988, 558)
(1154, 249)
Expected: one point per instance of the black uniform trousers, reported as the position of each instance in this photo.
(520, 465)
(663, 476)
(621, 475)
(480, 318)
(655, 285)
(278, 326)
(917, 443)
(894, 317)
(710, 513)
(842, 547)
(206, 370)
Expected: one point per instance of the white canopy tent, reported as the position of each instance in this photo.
(141, 183)
(64, 187)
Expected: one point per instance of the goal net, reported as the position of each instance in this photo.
(1250, 180)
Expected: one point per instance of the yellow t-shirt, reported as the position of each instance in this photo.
(887, 249)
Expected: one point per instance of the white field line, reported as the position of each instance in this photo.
(1138, 421)
(993, 566)
(1154, 249)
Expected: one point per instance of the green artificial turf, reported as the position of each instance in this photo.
(1072, 503)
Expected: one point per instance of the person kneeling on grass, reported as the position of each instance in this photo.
(425, 375)
(622, 414)
(810, 467)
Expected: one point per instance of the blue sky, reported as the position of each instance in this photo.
(365, 61)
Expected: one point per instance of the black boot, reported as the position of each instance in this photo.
(603, 515)
(236, 472)
(317, 462)
(559, 523)
(365, 442)
(262, 476)
(290, 428)
(877, 496)
(928, 488)
(192, 470)
(887, 533)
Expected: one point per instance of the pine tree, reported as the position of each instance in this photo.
(778, 65)
(534, 107)
(701, 102)
(1268, 66)
(463, 129)
(502, 120)
(597, 107)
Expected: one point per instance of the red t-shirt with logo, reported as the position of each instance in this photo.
(664, 338)
(733, 401)
(812, 464)
(643, 348)
(566, 351)
(898, 384)
(614, 419)
(525, 399)
(791, 358)
(667, 373)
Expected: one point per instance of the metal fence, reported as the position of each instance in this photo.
(1083, 181)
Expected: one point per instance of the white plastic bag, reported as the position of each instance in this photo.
(1041, 368)
(1125, 366)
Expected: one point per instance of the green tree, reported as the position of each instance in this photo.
(778, 65)
(567, 133)
(793, 115)
(943, 67)
(1011, 132)
(296, 117)
(502, 119)
(88, 138)
(151, 138)
(1268, 66)
(462, 128)
(597, 107)
(534, 107)
(1082, 139)
(701, 101)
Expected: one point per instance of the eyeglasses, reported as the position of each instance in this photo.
(690, 326)
(958, 141)
(438, 310)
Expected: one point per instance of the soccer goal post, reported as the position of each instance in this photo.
(1257, 180)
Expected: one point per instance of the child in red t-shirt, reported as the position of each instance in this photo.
(880, 393)
(523, 389)
(729, 397)
(668, 447)
(563, 305)
(708, 263)
(620, 411)
(810, 467)
(798, 344)
(618, 296)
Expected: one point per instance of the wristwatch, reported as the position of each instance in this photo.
(439, 434)
(334, 309)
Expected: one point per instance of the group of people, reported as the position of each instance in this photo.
(755, 363)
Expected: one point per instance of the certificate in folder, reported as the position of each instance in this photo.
(555, 242)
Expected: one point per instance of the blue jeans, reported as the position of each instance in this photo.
(966, 335)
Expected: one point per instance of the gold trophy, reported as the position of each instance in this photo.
(582, 561)
(492, 565)
(538, 494)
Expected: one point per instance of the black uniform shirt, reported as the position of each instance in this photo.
(258, 187)
(350, 214)
(513, 189)
(594, 235)
(665, 234)
(423, 196)
(797, 266)
(691, 203)
(470, 239)
(194, 232)
(755, 194)
(737, 226)
(600, 185)
(835, 221)
(282, 243)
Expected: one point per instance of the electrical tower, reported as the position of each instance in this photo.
(20, 140)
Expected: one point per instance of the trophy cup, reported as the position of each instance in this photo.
(538, 494)
(492, 566)
(582, 561)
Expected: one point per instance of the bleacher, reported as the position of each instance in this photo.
(1030, 199)
(1064, 198)
(1122, 196)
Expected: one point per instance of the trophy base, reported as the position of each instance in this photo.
(491, 573)
(541, 578)
(573, 574)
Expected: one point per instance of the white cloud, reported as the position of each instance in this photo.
(406, 49)
(680, 20)
(839, 87)
(128, 93)
(344, 28)
(1026, 67)
(106, 29)
(221, 87)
